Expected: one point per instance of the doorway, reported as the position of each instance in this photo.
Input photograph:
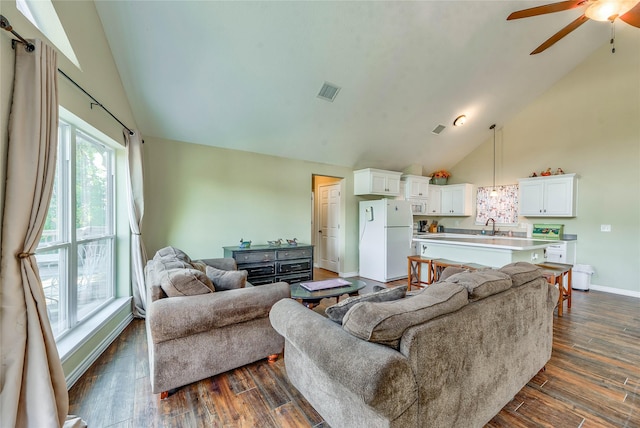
(327, 209)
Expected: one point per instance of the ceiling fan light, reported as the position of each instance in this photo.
(608, 10)
(493, 193)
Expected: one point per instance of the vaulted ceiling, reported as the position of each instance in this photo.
(245, 75)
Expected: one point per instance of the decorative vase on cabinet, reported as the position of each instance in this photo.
(440, 181)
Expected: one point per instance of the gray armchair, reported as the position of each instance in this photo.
(193, 337)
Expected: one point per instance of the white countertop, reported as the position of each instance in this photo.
(485, 241)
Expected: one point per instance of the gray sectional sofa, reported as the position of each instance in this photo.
(451, 355)
(204, 318)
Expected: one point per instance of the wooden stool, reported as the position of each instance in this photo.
(414, 267)
(438, 265)
(555, 274)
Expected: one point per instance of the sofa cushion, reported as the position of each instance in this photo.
(338, 311)
(521, 272)
(450, 270)
(386, 322)
(482, 283)
(185, 282)
(172, 253)
(227, 279)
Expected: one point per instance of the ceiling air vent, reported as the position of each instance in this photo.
(328, 92)
(438, 129)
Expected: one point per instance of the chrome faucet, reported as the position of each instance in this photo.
(493, 226)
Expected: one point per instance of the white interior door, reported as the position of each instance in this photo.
(329, 227)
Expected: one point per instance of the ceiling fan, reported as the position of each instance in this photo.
(598, 10)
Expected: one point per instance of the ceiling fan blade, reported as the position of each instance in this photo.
(560, 34)
(547, 8)
(633, 16)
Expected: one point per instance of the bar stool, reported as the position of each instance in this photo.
(556, 273)
(414, 266)
(438, 265)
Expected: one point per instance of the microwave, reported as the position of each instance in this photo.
(418, 207)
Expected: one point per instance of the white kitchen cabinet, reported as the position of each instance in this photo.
(371, 181)
(553, 196)
(451, 200)
(416, 186)
(433, 202)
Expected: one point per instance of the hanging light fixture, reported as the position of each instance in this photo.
(494, 192)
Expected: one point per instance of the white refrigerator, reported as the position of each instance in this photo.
(386, 232)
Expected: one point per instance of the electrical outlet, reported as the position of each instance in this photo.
(534, 256)
(605, 228)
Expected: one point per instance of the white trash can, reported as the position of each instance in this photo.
(581, 277)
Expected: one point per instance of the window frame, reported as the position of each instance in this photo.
(68, 243)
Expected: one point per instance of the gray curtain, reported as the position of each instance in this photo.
(135, 190)
(34, 391)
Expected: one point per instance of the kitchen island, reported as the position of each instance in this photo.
(491, 251)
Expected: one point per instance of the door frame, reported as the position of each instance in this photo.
(318, 180)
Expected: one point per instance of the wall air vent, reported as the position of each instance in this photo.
(328, 92)
(438, 129)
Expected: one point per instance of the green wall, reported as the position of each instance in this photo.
(200, 198)
(589, 124)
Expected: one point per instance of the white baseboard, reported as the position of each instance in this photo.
(347, 274)
(621, 291)
(75, 374)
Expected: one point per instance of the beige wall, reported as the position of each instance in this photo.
(200, 198)
(588, 123)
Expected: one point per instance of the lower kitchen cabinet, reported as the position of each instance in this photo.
(265, 264)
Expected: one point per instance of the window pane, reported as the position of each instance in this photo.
(51, 265)
(94, 275)
(52, 232)
(92, 214)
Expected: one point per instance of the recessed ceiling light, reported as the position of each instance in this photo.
(460, 120)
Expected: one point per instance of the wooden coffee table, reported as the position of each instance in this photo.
(311, 298)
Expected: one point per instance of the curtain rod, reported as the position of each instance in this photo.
(4, 23)
(96, 102)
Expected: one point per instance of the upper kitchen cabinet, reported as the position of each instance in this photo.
(553, 196)
(416, 186)
(453, 200)
(371, 181)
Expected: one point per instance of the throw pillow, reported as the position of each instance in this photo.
(185, 282)
(200, 266)
(482, 283)
(227, 279)
(521, 272)
(386, 322)
(172, 253)
(339, 310)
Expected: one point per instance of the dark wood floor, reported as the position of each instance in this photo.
(592, 380)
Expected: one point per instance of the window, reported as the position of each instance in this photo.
(43, 15)
(77, 248)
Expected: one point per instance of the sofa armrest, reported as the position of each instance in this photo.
(224, 263)
(176, 317)
(376, 374)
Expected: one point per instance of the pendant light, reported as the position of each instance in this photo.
(494, 192)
